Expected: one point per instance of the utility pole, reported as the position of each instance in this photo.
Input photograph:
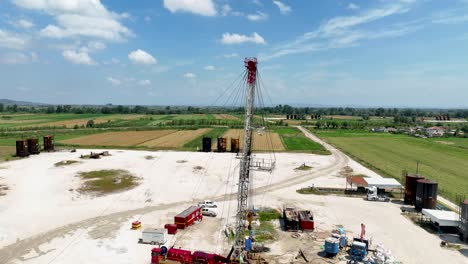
(244, 168)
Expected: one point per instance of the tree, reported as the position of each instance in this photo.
(90, 123)
(2, 107)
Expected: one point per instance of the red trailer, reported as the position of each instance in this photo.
(306, 220)
(156, 255)
(171, 228)
(188, 216)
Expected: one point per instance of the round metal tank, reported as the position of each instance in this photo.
(332, 246)
(410, 188)
(426, 194)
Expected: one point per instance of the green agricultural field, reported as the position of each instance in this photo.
(442, 159)
(294, 140)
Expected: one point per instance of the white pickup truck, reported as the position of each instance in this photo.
(207, 204)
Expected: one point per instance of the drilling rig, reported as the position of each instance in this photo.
(243, 214)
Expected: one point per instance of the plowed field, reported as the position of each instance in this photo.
(226, 117)
(263, 141)
(124, 138)
(175, 140)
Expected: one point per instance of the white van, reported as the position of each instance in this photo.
(209, 211)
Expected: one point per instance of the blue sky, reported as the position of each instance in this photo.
(168, 52)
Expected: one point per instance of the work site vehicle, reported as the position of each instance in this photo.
(207, 204)
(209, 212)
(372, 195)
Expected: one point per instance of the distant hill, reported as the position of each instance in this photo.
(19, 103)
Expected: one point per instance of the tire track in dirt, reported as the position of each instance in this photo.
(22, 247)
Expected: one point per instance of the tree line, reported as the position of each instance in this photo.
(365, 113)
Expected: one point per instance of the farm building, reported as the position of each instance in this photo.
(435, 131)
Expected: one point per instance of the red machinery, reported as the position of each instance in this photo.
(306, 220)
(171, 228)
(188, 216)
(185, 256)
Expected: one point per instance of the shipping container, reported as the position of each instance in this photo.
(188, 217)
(33, 146)
(426, 194)
(410, 188)
(306, 220)
(154, 236)
(22, 148)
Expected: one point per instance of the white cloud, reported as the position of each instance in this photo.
(141, 57)
(114, 81)
(18, 58)
(22, 23)
(88, 18)
(190, 75)
(210, 68)
(147, 19)
(230, 55)
(78, 57)
(284, 9)
(353, 6)
(198, 7)
(259, 16)
(144, 82)
(12, 40)
(347, 31)
(234, 38)
(226, 10)
(93, 46)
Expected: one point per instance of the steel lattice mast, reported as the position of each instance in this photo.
(244, 171)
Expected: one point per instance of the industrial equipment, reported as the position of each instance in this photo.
(291, 219)
(206, 144)
(33, 146)
(426, 194)
(188, 217)
(22, 148)
(306, 221)
(49, 143)
(222, 144)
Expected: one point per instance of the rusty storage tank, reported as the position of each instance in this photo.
(464, 220)
(235, 145)
(33, 146)
(426, 194)
(206, 144)
(49, 143)
(222, 144)
(410, 188)
(22, 148)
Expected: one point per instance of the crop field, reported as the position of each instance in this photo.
(441, 159)
(196, 143)
(124, 138)
(262, 141)
(294, 140)
(59, 120)
(175, 140)
(226, 117)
